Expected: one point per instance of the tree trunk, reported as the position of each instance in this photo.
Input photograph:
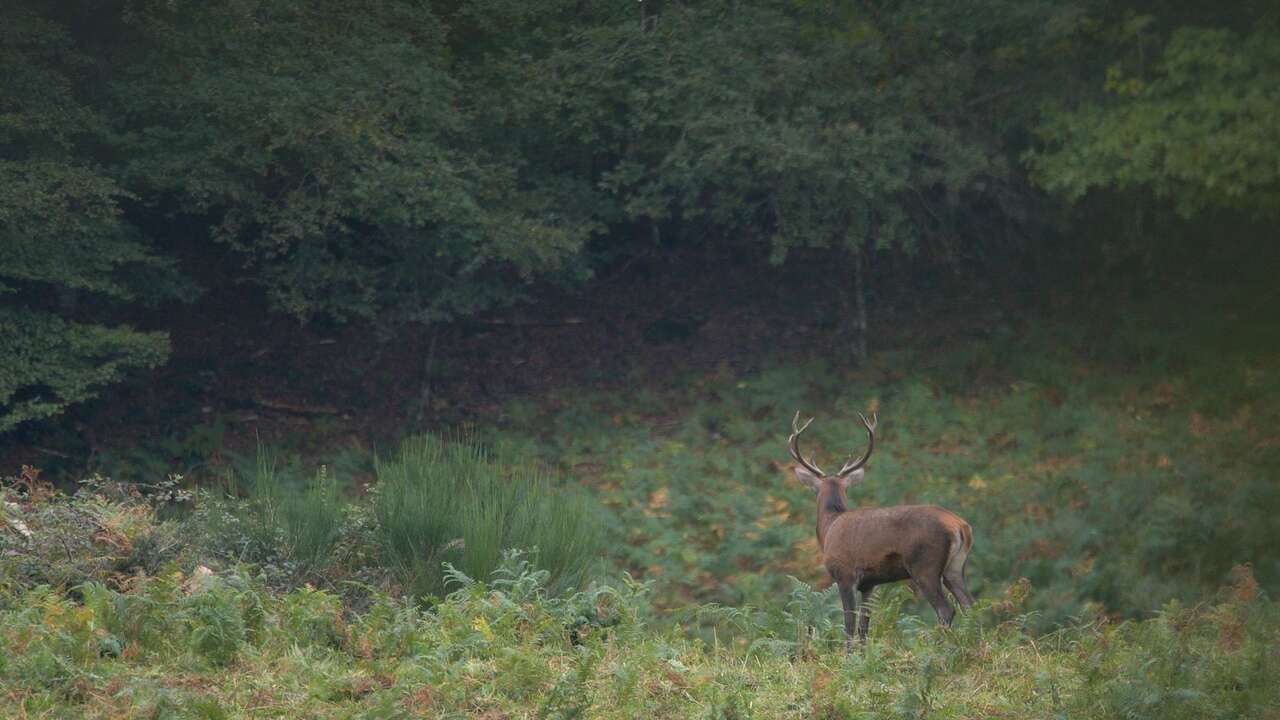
(424, 395)
(860, 309)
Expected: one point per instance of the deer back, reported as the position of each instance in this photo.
(886, 543)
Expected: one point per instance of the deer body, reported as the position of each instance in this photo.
(866, 547)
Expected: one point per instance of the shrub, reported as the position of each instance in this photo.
(438, 502)
(305, 516)
(312, 617)
(222, 614)
(66, 541)
(48, 640)
(136, 622)
(289, 524)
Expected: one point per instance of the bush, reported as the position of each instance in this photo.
(290, 525)
(442, 502)
(64, 541)
(312, 617)
(222, 614)
(305, 517)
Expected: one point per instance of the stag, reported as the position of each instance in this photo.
(866, 547)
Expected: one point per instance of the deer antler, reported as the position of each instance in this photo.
(870, 426)
(793, 445)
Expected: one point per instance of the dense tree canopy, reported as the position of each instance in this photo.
(414, 163)
(329, 143)
(62, 233)
(1200, 128)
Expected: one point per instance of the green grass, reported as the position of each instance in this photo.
(1112, 487)
(223, 646)
(302, 519)
(1123, 506)
(438, 502)
(432, 503)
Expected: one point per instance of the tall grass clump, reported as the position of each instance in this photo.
(452, 502)
(293, 518)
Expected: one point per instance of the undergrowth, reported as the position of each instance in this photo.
(223, 645)
(1113, 487)
(439, 502)
(434, 502)
(1122, 510)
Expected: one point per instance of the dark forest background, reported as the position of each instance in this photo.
(231, 206)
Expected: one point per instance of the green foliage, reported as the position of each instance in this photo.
(293, 527)
(1049, 455)
(141, 621)
(510, 643)
(60, 638)
(440, 502)
(400, 164)
(52, 363)
(332, 147)
(1198, 128)
(404, 164)
(435, 502)
(299, 522)
(61, 234)
(800, 125)
(221, 615)
(86, 538)
(312, 617)
(223, 645)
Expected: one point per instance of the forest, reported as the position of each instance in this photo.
(413, 359)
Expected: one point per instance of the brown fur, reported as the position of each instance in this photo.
(866, 547)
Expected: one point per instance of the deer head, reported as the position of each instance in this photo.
(812, 475)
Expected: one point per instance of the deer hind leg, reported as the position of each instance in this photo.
(931, 587)
(953, 573)
(954, 580)
(926, 568)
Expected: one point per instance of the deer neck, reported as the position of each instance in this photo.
(831, 504)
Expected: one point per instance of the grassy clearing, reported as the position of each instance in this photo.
(222, 645)
(1114, 487)
(1124, 566)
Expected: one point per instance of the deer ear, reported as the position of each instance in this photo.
(809, 479)
(852, 478)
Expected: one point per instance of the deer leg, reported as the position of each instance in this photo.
(953, 576)
(864, 614)
(850, 602)
(931, 588)
(954, 580)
